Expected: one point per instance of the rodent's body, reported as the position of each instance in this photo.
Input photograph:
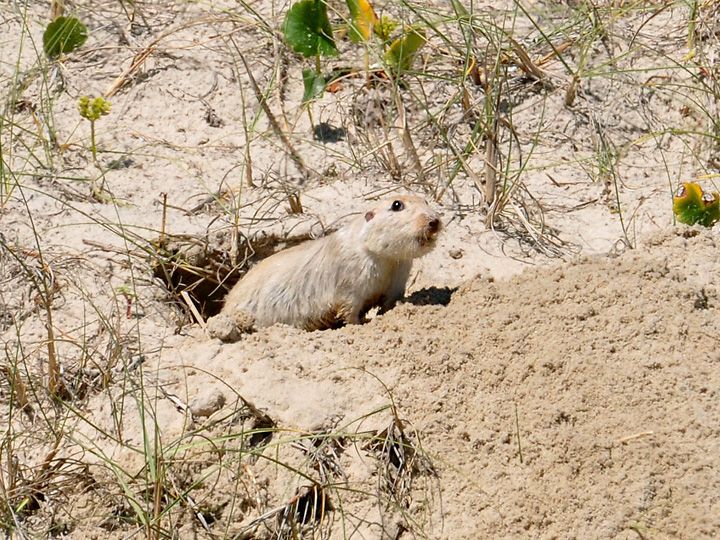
(336, 279)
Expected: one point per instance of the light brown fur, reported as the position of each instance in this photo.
(336, 279)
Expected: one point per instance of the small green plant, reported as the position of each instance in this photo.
(92, 109)
(64, 35)
(691, 205)
(385, 27)
(308, 31)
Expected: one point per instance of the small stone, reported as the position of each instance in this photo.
(456, 253)
(208, 402)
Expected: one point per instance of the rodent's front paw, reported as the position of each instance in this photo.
(229, 328)
(244, 322)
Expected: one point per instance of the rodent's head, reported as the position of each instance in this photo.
(401, 227)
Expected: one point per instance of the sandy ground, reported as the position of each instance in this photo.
(555, 376)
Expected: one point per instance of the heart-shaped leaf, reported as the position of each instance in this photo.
(403, 50)
(692, 206)
(314, 84)
(64, 35)
(307, 29)
(362, 20)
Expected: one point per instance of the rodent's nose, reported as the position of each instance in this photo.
(434, 225)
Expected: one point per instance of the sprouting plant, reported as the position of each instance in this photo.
(307, 30)
(92, 109)
(385, 27)
(125, 290)
(691, 205)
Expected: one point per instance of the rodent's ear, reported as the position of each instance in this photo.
(369, 215)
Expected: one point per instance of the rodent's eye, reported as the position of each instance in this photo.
(397, 206)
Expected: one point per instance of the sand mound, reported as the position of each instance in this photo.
(575, 400)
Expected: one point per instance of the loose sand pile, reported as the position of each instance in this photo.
(579, 400)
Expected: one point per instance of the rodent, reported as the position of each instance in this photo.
(337, 279)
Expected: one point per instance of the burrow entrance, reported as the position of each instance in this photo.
(194, 269)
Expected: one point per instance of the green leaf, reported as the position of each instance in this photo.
(362, 20)
(403, 50)
(692, 206)
(64, 35)
(314, 84)
(307, 29)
